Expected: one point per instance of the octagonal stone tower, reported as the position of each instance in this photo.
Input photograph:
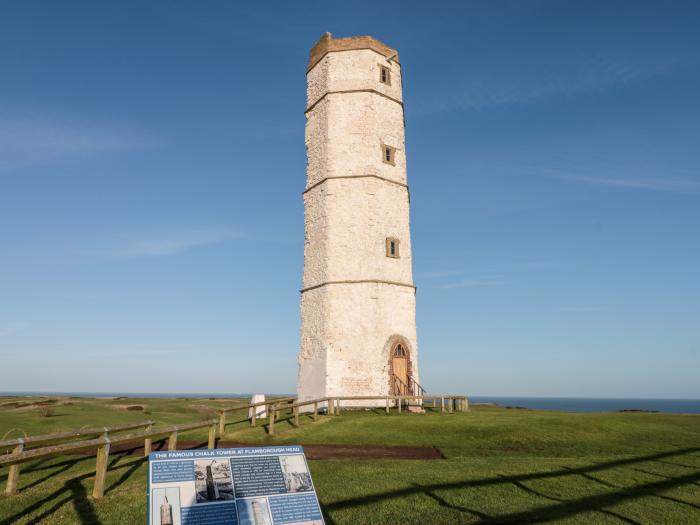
(358, 328)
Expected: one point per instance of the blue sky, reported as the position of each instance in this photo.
(152, 162)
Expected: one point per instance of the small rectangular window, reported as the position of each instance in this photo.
(385, 75)
(389, 154)
(392, 247)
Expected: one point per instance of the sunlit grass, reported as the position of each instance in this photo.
(501, 466)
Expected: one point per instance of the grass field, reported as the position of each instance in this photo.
(500, 466)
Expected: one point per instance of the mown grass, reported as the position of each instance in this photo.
(501, 466)
(77, 412)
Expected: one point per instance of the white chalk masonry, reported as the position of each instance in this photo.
(357, 303)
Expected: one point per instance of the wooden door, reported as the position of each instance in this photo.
(400, 369)
(399, 362)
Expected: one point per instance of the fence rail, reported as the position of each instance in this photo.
(102, 444)
(59, 436)
(449, 403)
(223, 412)
(262, 403)
(274, 407)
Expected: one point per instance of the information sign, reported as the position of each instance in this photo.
(232, 486)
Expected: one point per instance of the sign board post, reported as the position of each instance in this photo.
(232, 486)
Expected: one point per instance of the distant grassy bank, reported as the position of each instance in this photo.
(501, 466)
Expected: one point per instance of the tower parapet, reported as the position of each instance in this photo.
(327, 44)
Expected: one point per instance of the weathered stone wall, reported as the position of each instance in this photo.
(348, 122)
(352, 70)
(354, 298)
(360, 123)
(362, 318)
(347, 223)
(317, 236)
(313, 369)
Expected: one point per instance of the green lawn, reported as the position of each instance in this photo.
(501, 466)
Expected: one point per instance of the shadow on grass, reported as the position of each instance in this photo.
(649, 473)
(289, 420)
(74, 492)
(62, 467)
(560, 508)
(134, 466)
(237, 422)
(444, 503)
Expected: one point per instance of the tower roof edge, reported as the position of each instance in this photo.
(327, 44)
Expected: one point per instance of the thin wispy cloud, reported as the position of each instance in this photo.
(166, 244)
(669, 184)
(535, 264)
(579, 309)
(531, 80)
(469, 283)
(639, 183)
(11, 328)
(499, 269)
(438, 274)
(36, 140)
(130, 352)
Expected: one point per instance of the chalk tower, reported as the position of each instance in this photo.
(358, 302)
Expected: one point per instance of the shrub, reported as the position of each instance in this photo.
(46, 412)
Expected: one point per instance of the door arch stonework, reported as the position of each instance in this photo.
(398, 344)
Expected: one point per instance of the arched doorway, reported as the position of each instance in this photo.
(400, 370)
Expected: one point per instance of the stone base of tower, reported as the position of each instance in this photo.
(349, 331)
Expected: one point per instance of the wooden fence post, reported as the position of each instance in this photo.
(13, 474)
(101, 470)
(465, 406)
(147, 442)
(172, 441)
(451, 405)
(315, 410)
(222, 423)
(254, 416)
(271, 421)
(337, 406)
(398, 403)
(212, 436)
(442, 405)
(295, 411)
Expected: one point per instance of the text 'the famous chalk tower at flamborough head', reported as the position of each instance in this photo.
(358, 302)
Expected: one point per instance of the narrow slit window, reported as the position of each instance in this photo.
(388, 154)
(385, 75)
(392, 247)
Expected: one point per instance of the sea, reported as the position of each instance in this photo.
(594, 404)
(564, 404)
